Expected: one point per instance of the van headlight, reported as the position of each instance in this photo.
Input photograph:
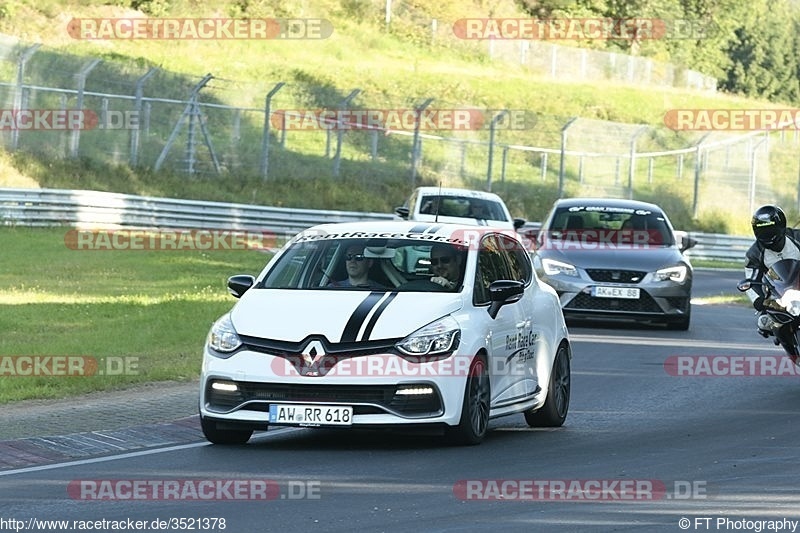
(223, 337)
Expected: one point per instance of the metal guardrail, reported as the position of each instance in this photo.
(104, 210)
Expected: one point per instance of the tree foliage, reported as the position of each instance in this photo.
(752, 47)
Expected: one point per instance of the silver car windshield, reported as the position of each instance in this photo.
(587, 223)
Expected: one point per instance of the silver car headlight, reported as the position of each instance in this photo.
(552, 267)
(437, 338)
(223, 337)
(791, 302)
(676, 274)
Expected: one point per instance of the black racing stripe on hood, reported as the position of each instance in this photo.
(434, 228)
(419, 228)
(359, 315)
(374, 319)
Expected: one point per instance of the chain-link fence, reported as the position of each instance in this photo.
(154, 119)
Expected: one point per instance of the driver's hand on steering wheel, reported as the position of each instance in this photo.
(444, 282)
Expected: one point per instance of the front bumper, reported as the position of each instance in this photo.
(377, 400)
(657, 300)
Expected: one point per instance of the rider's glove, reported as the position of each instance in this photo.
(758, 303)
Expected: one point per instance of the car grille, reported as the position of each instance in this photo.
(586, 302)
(607, 275)
(381, 395)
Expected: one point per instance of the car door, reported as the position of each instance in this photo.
(506, 356)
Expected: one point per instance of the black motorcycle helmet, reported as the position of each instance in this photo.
(769, 226)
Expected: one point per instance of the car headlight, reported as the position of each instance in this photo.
(791, 302)
(552, 267)
(437, 338)
(676, 274)
(223, 338)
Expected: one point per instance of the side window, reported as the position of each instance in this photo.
(492, 266)
(518, 262)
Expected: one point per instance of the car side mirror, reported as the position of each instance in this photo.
(238, 285)
(518, 223)
(503, 292)
(688, 242)
(685, 240)
(402, 212)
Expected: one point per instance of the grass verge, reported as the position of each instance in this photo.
(146, 312)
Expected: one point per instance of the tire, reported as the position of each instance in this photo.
(474, 422)
(556, 405)
(224, 436)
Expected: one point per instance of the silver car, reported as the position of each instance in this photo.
(614, 258)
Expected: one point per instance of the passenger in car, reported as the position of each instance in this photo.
(357, 266)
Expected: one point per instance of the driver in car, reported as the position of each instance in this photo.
(773, 243)
(446, 266)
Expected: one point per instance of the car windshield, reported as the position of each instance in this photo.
(404, 264)
(462, 207)
(611, 224)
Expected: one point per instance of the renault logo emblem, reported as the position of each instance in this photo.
(313, 352)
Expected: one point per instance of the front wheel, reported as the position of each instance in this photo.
(224, 436)
(554, 411)
(474, 421)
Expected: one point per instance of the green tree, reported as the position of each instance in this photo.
(763, 54)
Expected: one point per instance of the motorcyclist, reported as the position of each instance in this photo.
(774, 241)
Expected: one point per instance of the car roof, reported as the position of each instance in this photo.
(608, 202)
(451, 191)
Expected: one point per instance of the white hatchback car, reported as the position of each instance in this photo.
(340, 329)
(460, 206)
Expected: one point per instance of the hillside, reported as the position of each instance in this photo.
(393, 68)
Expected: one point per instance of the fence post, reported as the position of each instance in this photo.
(544, 166)
(24, 57)
(753, 165)
(264, 170)
(191, 107)
(75, 139)
(632, 165)
(492, 126)
(137, 107)
(563, 155)
(340, 130)
(698, 168)
(503, 167)
(415, 147)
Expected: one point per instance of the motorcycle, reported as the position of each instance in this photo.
(781, 318)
